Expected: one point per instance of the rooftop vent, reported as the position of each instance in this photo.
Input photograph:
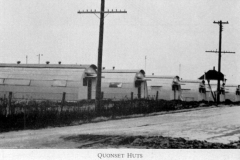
(113, 67)
(18, 62)
(59, 62)
(153, 74)
(213, 67)
(103, 68)
(47, 62)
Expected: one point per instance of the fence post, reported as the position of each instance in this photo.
(24, 116)
(63, 101)
(88, 114)
(9, 102)
(157, 96)
(132, 101)
(4, 105)
(174, 93)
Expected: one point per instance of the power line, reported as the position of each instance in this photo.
(100, 48)
(221, 52)
(220, 23)
(108, 11)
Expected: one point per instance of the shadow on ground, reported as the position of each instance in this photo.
(154, 142)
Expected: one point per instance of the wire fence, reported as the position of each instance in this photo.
(18, 115)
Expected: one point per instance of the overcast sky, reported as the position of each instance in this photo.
(168, 32)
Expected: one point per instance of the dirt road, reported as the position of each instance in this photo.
(219, 124)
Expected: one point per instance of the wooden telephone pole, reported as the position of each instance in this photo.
(100, 49)
(219, 55)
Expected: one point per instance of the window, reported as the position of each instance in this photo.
(115, 85)
(59, 83)
(155, 87)
(17, 82)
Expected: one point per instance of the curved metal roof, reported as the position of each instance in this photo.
(63, 66)
(122, 71)
(160, 77)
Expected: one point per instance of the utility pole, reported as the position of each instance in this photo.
(39, 55)
(145, 63)
(100, 49)
(219, 55)
(180, 70)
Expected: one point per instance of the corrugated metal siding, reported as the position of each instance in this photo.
(40, 77)
(59, 83)
(82, 93)
(42, 83)
(40, 96)
(73, 84)
(231, 96)
(119, 80)
(1, 80)
(17, 82)
(159, 82)
(41, 73)
(32, 89)
(124, 85)
(124, 77)
(129, 76)
(164, 92)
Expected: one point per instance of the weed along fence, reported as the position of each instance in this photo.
(15, 115)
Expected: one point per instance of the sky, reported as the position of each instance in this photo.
(173, 35)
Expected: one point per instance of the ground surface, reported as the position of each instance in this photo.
(217, 124)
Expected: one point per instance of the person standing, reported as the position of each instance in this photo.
(238, 90)
(202, 90)
(222, 89)
(176, 88)
(176, 83)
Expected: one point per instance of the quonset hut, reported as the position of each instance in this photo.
(120, 84)
(77, 82)
(47, 81)
(160, 84)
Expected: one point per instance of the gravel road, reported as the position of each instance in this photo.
(216, 124)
